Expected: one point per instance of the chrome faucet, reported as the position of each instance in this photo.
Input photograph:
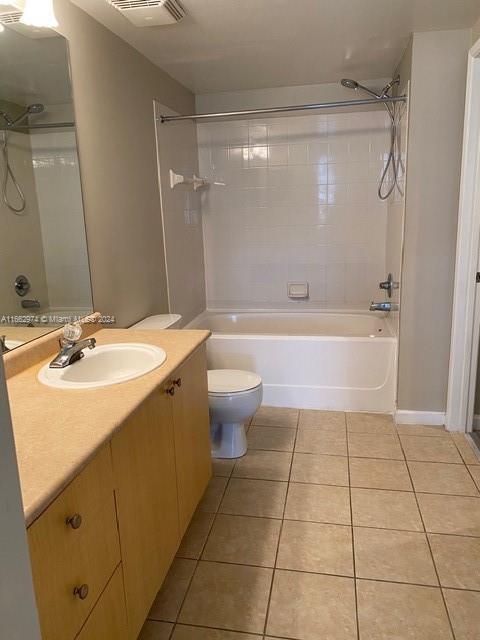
(71, 348)
(383, 306)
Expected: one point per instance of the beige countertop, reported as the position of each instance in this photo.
(58, 431)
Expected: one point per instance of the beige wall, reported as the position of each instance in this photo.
(476, 31)
(114, 87)
(438, 78)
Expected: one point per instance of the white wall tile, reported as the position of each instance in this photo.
(300, 203)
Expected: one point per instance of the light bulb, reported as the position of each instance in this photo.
(39, 13)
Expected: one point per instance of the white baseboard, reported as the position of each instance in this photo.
(434, 418)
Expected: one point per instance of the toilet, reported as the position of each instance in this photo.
(162, 321)
(233, 397)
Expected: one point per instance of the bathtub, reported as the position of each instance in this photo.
(321, 360)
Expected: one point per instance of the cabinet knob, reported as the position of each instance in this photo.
(75, 521)
(178, 382)
(170, 391)
(81, 591)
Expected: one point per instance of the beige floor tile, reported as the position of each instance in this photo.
(395, 556)
(457, 560)
(222, 467)
(317, 548)
(379, 474)
(450, 514)
(271, 438)
(264, 465)
(466, 448)
(196, 536)
(385, 509)
(313, 419)
(464, 610)
(185, 632)
(318, 503)
(310, 606)
(430, 449)
(321, 441)
(422, 430)
(213, 495)
(276, 417)
(439, 477)
(364, 445)
(170, 597)
(475, 472)
(156, 630)
(373, 423)
(243, 540)
(388, 611)
(228, 596)
(319, 469)
(262, 498)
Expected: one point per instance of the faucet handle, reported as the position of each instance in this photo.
(72, 331)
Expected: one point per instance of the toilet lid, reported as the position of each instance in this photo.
(232, 381)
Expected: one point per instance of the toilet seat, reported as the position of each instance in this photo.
(226, 382)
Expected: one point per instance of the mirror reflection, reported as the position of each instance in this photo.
(44, 271)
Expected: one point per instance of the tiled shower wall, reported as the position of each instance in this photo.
(298, 203)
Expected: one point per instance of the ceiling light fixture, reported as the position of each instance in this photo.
(39, 13)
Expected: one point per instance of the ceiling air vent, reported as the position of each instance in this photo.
(150, 13)
(10, 17)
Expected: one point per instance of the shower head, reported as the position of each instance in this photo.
(37, 107)
(32, 109)
(349, 84)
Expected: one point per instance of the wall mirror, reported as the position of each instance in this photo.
(44, 271)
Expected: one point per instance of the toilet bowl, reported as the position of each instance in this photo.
(233, 397)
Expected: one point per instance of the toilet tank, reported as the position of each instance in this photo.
(162, 321)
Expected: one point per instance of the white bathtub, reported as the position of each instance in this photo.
(336, 361)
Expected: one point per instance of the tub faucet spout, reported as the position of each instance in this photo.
(383, 306)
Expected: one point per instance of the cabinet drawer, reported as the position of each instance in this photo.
(108, 620)
(74, 550)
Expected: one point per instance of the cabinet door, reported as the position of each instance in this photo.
(146, 494)
(108, 620)
(192, 434)
(74, 544)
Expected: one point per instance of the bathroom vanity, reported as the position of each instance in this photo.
(110, 479)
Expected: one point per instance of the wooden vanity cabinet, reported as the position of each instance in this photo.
(161, 462)
(146, 494)
(108, 620)
(192, 435)
(118, 524)
(74, 550)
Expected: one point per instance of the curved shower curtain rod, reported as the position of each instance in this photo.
(298, 107)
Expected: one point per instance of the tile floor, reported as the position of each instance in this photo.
(334, 526)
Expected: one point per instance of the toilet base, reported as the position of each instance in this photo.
(229, 440)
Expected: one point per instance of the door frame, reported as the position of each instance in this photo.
(466, 304)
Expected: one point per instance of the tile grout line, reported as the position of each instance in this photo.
(197, 560)
(353, 536)
(267, 614)
(430, 548)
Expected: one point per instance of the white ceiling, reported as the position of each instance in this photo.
(226, 45)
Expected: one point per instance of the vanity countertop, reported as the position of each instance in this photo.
(57, 431)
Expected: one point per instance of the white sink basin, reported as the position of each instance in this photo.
(104, 366)
(13, 344)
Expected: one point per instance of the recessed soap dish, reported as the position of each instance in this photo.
(298, 290)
